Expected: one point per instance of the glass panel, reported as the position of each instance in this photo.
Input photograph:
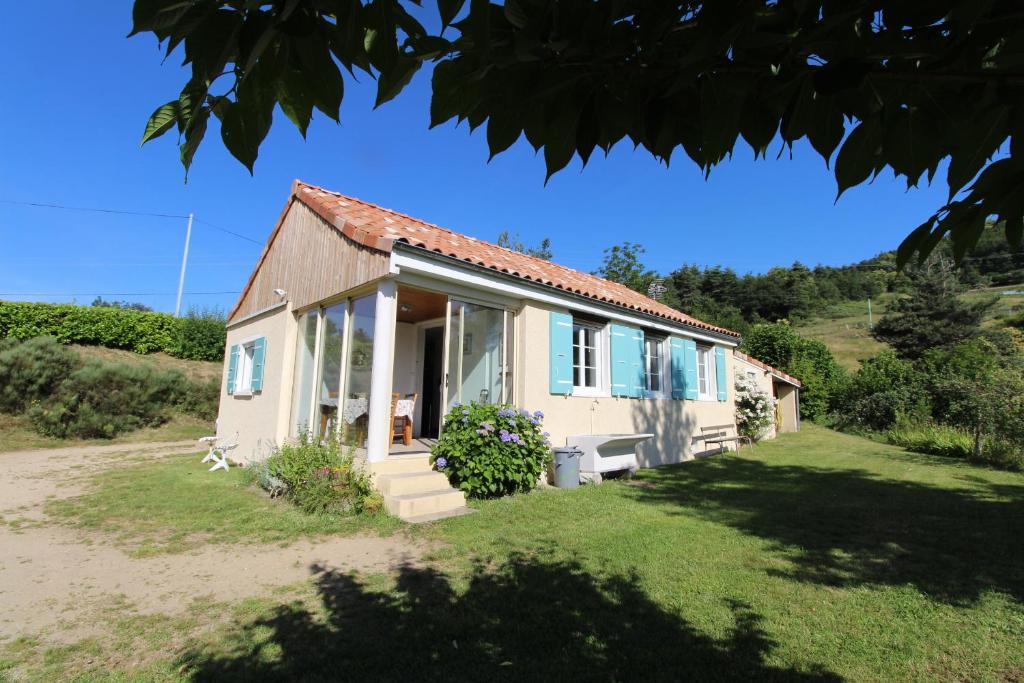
(355, 413)
(474, 353)
(330, 369)
(302, 386)
(509, 357)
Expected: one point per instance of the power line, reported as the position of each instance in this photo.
(217, 227)
(115, 293)
(95, 210)
(129, 213)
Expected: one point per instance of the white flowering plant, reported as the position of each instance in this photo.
(755, 408)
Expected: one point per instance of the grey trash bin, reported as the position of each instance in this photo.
(567, 467)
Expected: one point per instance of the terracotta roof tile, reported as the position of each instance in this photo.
(767, 368)
(379, 228)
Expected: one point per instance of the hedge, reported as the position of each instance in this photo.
(192, 338)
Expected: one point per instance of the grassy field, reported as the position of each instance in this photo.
(170, 506)
(17, 434)
(845, 330)
(816, 557)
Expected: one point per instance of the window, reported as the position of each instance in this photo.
(706, 390)
(655, 377)
(243, 375)
(586, 356)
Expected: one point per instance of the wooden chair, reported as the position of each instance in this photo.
(402, 425)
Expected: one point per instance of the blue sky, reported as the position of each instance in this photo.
(77, 94)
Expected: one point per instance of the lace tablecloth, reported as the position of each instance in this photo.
(357, 407)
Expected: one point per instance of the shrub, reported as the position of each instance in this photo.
(31, 370)
(200, 336)
(933, 439)
(755, 408)
(490, 450)
(102, 400)
(318, 478)
(200, 399)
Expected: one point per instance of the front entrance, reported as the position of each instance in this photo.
(433, 375)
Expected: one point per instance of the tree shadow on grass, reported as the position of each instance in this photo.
(850, 527)
(528, 619)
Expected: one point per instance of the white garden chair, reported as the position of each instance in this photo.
(218, 451)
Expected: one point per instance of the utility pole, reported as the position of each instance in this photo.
(871, 322)
(184, 262)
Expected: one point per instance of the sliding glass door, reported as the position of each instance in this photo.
(356, 409)
(477, 350)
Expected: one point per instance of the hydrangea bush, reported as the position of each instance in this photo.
(490, 450)
(755, 408)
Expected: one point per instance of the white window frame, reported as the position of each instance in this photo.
(706, 359)
(664, 369)
(601, 353)
(243, 369)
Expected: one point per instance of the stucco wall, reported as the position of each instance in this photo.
(674, 423)
(764, 383)
(260, 420)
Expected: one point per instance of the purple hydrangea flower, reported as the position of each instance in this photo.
(441, 463)
(505, 436)
(539, 415)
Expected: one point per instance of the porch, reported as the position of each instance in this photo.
(379, 368)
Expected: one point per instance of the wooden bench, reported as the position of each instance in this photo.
(720, 435)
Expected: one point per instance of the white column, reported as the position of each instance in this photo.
(378, 439)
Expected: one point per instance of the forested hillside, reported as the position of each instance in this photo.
(800, 293)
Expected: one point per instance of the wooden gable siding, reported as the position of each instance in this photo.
(309, 259)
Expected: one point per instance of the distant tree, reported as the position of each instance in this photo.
(933, 316)
(622, 264)
(809, 360)
(100, 302)
(512, 241)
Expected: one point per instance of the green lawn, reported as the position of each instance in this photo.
(816, 557)
(172, 505)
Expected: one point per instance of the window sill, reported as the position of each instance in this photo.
(589, 392)
(242, 394)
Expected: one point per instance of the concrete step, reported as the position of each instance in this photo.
(416, 504)
(401, 464)
(434, 516)
(411, 482)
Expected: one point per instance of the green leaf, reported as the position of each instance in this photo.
(976, 145)
(160, 121)
(242, 129)
(296, 99)
(503, 129)
(858, 157)
(449, 9)
(391, 82)
(155, 15)
(194, 134)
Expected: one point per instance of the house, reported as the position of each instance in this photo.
(785, 389)
(351, 303)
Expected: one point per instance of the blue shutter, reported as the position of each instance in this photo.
(627, 356)
(690, 365)
(232, 367)
(639, 369)
(678, 364)
(560, 349)
(259, 352)
(723, 387)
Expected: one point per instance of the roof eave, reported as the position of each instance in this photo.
(732, 338)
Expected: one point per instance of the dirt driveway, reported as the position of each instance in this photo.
(52, 577)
